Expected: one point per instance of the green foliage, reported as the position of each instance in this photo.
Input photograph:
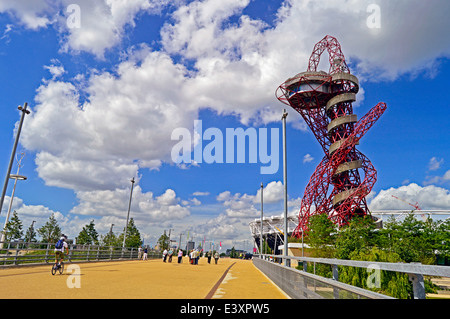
(51, 231)
(357, 236)
(409, 240)
(110, 239)
(133, 238)
(88, 235)
(233, 253)
(13, 229)
(163, 241)
(30, 235)
(321, 236)
(393, 284)
(415, 240)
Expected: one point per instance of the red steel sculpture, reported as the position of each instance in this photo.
(324, 100)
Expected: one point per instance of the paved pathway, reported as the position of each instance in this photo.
(152, 279)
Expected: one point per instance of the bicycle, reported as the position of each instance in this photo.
(58, 267)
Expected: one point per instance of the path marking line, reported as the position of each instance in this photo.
(216, 286)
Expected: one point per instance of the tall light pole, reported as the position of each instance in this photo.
(286, 263)
(15, 177)
(261, 238)
(128, 215)
(13, 153)
(110, 235)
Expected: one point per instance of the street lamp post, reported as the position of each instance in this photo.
(16, 177)
(261, 238)
(110, 235)
(286, 262)
(128, 215)
(13, 153)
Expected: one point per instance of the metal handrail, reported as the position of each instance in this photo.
(26, 253)
(415, 271)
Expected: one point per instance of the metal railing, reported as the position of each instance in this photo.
(301, 284)
(32, 253)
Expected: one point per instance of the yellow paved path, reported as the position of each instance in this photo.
(150, 279)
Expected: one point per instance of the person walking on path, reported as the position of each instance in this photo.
(197, 256)
(209, 255)
(145, 254)
(164, 255)
(216, 257)
(170, 254)
(180, 256)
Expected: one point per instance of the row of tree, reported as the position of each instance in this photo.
(51, 231)
(407, 240)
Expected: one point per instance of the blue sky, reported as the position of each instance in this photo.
(107, 93)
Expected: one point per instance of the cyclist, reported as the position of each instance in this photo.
(59, 249)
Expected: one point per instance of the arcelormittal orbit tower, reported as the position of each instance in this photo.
(324, 100)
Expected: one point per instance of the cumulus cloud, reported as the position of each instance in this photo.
(84, 26)
(145, 207)
(125, 125)
(33, 15)
(130, 112)
(243, 205)
(428, 197)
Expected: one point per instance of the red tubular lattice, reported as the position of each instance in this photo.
(325, 102)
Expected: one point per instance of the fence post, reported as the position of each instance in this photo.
(418, 285)
(7, 253)
(335, 272)
(70, 253)
(46, 252)
(15, 257)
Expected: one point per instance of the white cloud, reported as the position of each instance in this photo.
(31, 14)
(438, 179)
(144, 206)
(101, 24)
(428, 197)
(273, 192)
(28, 213)
(435, 163)
(200, 193)
(243, 205)
(307, 158)
(125, 124)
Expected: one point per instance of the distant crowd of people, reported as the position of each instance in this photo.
(193, 255)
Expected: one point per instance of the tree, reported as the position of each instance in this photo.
(51, 231)
(358, 235)
(133, 238)
(321, 235)
(163, 241)
(233, 253)
(110, 239)
(13, 229)
(412, 239)
(30, 235)
(88, 235)
(442, 238)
